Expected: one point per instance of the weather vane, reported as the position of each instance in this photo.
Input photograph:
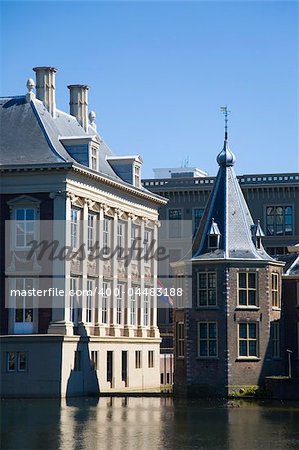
(226, 112)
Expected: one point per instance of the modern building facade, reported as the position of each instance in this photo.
(93, 329)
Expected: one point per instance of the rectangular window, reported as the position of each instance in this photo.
(248, 339)
(94, 359)
(275, 291)
(77, 361)
(74, 228)
(247, 289)
(279, 220)
(146, 308)
(120, 239)
(73, 316)
(109, 366)
(24, 310)
(180, 339)
(105, 301)
(138, 359)
(197, 216)
(275, 339)
(120, 304)
(207, 283)
(133, 305)
(124, 366)
(107, 225)
(175, 225)
(11, 361)
(135, 240)
(150, 358)
(207, 339)
(24, 226)
(89, 300)
(94, 158)
(91, 230)
(147, 244)
(136, 176)
(16, 361)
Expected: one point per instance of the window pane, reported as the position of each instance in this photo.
(202, 298)
(211, 280)
(242, 298)
(203, 330)
(252, 330)
(203, 349)
(252, 348)
(202, 280)
(252, 298)
(11, 361)
(242, 280)
(22, 363)
(29, 214)
(243, 348)
(212, 298)
(212, 330)
(212, 348)
(252, 280)
(243, 330)
(20, 214)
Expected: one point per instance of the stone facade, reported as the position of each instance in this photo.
(73, 344)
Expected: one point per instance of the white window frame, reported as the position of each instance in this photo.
(207, 289)
(248, 340)
(94, 158)
(120, 303)
(74, 304)
(208, 339)
(89, 300)
(91, 230)
(275, 291)
(26, 326)
(107, 235)
(180, 340)
(275, 338)
(248, 289)
(75, 227)
(105, 302)
(146, 309)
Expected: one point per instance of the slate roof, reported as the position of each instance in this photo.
(291, 261)
(29, 134)
(229, 210)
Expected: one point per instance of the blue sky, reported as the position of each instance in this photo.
(159, 71)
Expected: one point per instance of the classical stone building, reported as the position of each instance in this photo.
(227, 326)
(96, 330)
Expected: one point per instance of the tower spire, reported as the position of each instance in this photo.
(226, 112)
(226, 156)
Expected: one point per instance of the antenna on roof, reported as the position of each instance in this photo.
(226, 112)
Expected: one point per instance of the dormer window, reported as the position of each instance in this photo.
(213, 241)
(257, 235)
(94, 158)
(137, 173)
(214, 236)
(258, 242)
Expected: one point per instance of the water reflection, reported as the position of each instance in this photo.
(147, 423)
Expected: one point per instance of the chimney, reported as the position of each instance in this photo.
(79, 103)
(45, 87)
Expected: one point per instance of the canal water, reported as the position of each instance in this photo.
(141, 423)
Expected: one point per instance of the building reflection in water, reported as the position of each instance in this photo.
(147, 423)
